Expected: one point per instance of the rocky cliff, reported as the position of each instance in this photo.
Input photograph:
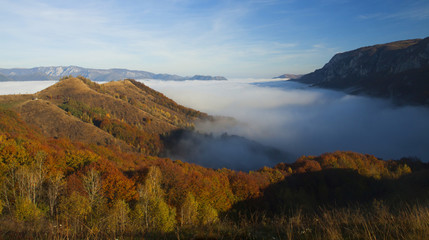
(397, 70)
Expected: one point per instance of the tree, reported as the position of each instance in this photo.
(118, 217)
(55, 183)
(149, 191)
(92, 185)
(207, 214)
(26, 210)
(152, 211)
(74, 210)
(29, 179)
(189, 210)
(163, 216)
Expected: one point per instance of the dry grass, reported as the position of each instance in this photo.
(375, 222)
(55, 122)
(147, 110)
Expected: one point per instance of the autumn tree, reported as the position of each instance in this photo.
(152, 211)
(55, 184)
(74, 210)
(92, 185)
(117, 218)
(207, 214)
(189, 210)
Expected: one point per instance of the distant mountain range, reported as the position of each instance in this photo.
(290, 76)
(397, 70)
(54, 73)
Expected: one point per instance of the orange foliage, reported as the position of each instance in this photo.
(115, 185)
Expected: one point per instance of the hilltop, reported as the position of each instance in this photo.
(124, 113)
(398, 71)
(56, 72)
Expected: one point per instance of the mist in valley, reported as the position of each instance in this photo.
(261, 123)
(23, 87)
(298, 120)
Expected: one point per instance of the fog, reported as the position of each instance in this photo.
(23, 87)
(302, 120)
(222, 151)
(292, 117)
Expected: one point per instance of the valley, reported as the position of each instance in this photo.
(122, 158)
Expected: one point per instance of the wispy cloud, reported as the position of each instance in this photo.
(417, 11)
(185, 37)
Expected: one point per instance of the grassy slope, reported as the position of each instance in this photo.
(102, 114)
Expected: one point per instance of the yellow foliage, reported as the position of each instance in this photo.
(75, 206)
(164, 216)
(207, 214)
(25, 210)
(1, 207)
(189, 210)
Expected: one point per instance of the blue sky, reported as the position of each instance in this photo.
(254, 38)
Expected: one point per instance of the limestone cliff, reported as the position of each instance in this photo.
(397, 70)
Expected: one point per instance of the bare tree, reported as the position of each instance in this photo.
(55, 184)
(92, 185)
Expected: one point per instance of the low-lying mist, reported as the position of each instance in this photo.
(288, 116)
(302, 120)
(23, 87)
(221, 151)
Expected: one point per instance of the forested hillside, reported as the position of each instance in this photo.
(80, 160)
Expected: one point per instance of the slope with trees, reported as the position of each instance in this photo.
(61, 186)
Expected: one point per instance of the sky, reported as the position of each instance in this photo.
(249, 38)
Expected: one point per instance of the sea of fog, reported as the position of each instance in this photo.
(23, 87)
(303, 120)
(293, 117)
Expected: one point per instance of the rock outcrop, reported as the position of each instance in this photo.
(397, 70)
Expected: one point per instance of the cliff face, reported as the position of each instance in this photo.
(397, 70)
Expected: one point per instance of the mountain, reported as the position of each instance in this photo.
(129, 115)
(205, 77)
(54, 73)
(290, 76)
(397, 70)
(124, 113)
(4, 78)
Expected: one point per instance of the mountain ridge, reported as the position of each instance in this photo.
(56, 72)
(290, 76)
(129, 115)
(398, 71)
(124, 113)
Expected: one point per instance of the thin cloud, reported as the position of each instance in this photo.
(416, 12)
